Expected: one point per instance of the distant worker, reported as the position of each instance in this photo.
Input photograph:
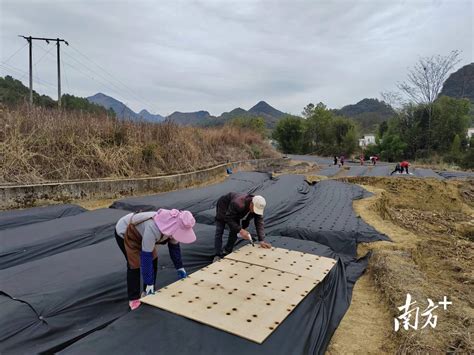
(362, 159)
(335, 160)
(404, 165)
(235, 209)
(398, 169)
(374, 159)
(341, 159)
(137, 234)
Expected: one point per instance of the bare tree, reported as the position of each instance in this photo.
(394, 99)
(426, 79)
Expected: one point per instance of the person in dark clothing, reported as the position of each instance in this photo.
(335, 160)
(341, 159)
(236, 210)
(398, 169)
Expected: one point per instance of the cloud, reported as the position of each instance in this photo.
(218, 55)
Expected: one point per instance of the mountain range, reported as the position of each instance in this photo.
(199, 118)
(122, 110)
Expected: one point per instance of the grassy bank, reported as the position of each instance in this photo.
(41, 144)
(430, 224)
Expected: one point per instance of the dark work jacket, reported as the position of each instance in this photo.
(233, 207)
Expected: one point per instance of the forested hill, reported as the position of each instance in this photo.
(368, 113)
(460, 84)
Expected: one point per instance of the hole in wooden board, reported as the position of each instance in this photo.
(254, 315)
(231, 277)
(249, 298)
(283, 290)
(287, 286)
(180, 292)
(212, 288)
(196, 283)
(228, 313)
(214, 302)
(277, 322)
(215, 273)
(234, 309)
(247, 281)
(288, 309)
(197, 297)
(269, 304)
(229, 293)
(173, 295)
(218, 284)
(293, 305)
(253, 294)
(190, 301)
(235, 289)
(273, 300)
(249, 320)
(208, 307)
(271, 328)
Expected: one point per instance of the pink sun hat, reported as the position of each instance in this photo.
(175, 223)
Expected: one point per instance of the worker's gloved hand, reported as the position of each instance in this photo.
(245, 235)
(265, 245)
(149, 290)
(182, 273)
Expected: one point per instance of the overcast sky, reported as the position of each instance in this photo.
(216, 55)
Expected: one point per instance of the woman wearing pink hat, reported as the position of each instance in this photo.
(137, 234)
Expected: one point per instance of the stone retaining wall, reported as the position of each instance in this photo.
(19, 196)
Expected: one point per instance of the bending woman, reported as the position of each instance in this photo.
(137, 234)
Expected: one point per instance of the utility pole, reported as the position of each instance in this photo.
(30, 41)
(59, 74)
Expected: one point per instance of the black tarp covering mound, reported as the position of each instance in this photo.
(39, 240)
(17, 218)
(285, 196)
(426, 173)
(321, 212)
(307, 330)
(456, 174)
(328, 218)
(195, 199)
(48, 303)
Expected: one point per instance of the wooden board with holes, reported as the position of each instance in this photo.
(240, 298)
(308, 265)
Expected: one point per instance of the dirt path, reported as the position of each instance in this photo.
(366, 326)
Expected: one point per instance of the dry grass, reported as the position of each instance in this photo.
(40, 145)
(432, 255)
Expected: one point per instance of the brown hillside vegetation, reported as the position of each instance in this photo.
(39, 145)
(432, 256)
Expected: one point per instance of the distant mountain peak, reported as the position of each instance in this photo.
(122, 110)
(264, 108)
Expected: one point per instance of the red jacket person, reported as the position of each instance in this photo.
(236, 210)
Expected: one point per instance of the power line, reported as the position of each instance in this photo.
(130, 90)
(39, 60)
(16, 52)
(10, 68)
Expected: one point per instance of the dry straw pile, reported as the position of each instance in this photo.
(48, 145)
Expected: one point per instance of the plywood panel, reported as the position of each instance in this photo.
(308, 265)
(238, 297)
